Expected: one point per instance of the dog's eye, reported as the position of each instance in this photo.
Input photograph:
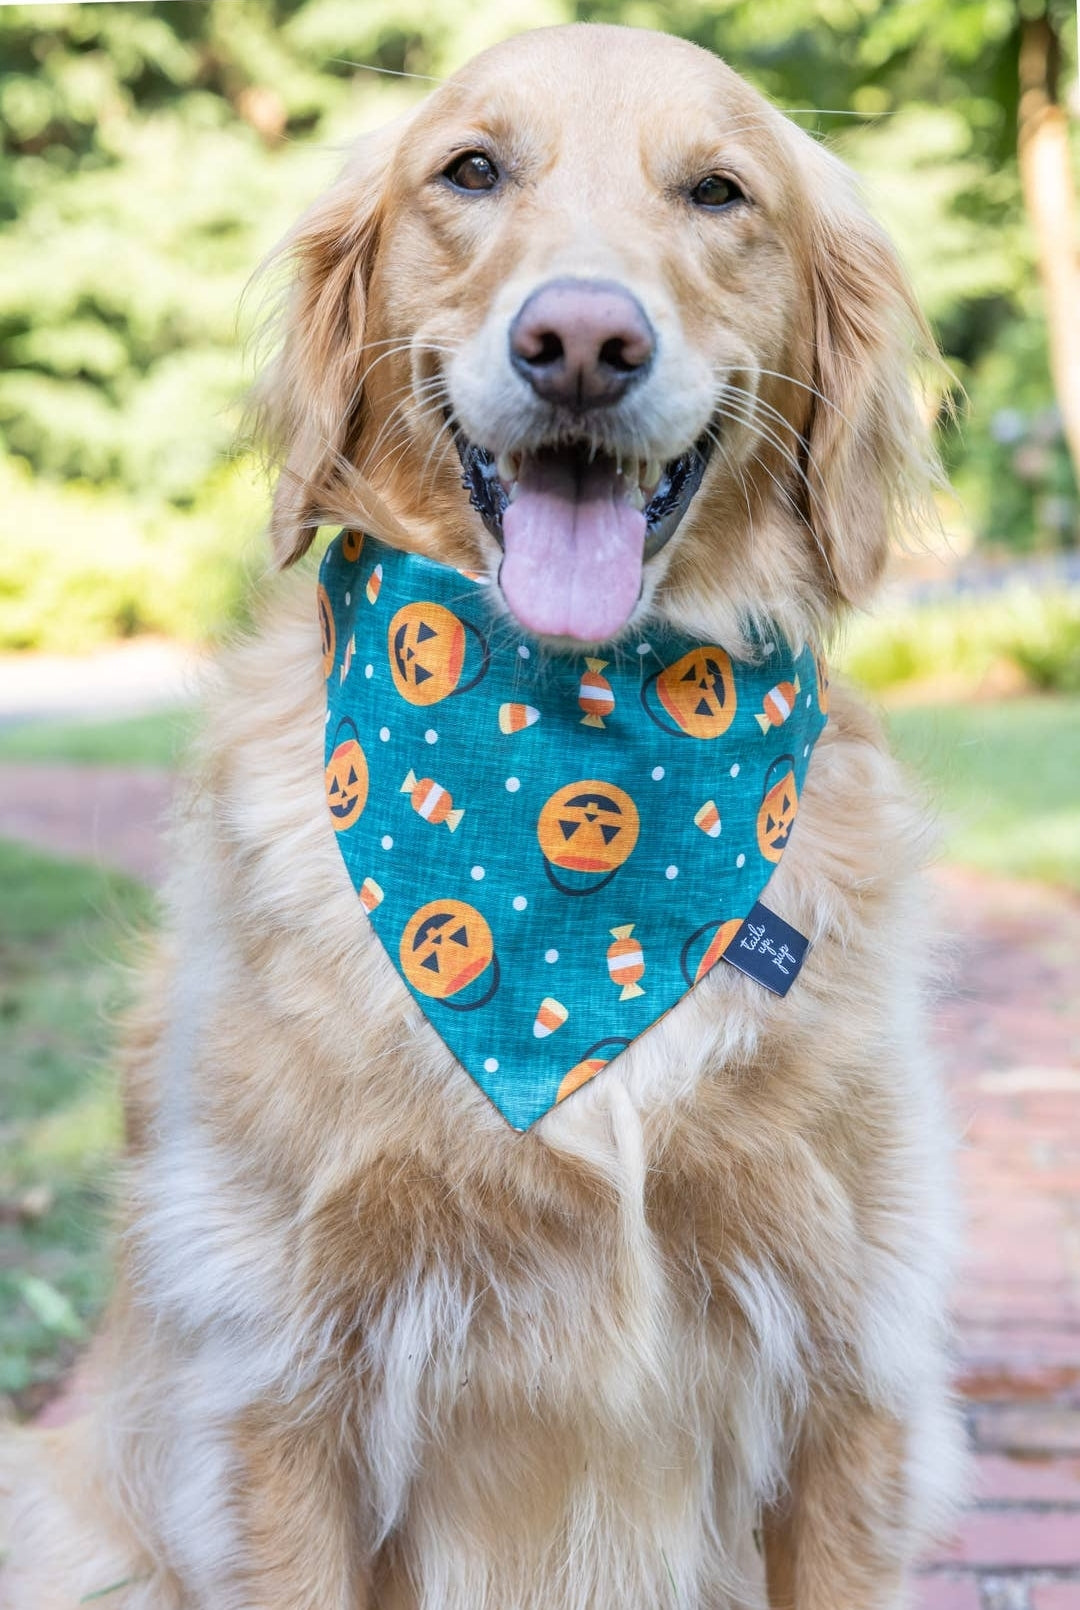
(714, 192)
(473, 171)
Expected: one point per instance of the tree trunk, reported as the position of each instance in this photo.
(1046, 176)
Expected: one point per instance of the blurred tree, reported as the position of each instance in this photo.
(151, 153)
(1045, 169)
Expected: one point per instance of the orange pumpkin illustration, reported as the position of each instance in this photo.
(822, 668)
(779, 807)
(589, 826)
(594, 1059)
(444, 947)
(351, 544)
(698, 692)
(427, 652)
(326, 630)
(346, 779)
(712, 939)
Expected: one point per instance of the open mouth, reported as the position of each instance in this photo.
(576, 527)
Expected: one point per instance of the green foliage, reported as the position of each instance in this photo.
(61, 926)
(86, 565)
(961, 643)
(153, 153)
(160, 739)
(1003, 777)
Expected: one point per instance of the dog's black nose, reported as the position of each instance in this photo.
(581, 343)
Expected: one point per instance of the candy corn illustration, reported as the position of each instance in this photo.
(350, 650)
(625, 962)
(374, 582)
(594, 695)
(431, 801)
(708, 819)
(551, 1015)
(778, 704)
(370, 894)
(516, 717)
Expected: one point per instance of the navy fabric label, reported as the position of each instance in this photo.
(768, 950)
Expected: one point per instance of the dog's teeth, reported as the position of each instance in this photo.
(635, 497)
(512, 492)
(506, 467)
(650, 473)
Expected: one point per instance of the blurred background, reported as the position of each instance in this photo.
(153, 153)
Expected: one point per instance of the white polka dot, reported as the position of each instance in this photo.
(491, 1065)
(740, 860)
(477, 873)
(431, 736)
(384, 734)
(327, 718)
(523, 651)
(672, 872)
(519, 902)
(387, 842)
(369, 671)
(644, 648)
(806, 750)
(348, 598)
(657, 773)
(513, 784)
(734, 770)
(551, 955)
(808, 701)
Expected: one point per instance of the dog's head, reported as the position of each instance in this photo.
(597, 319)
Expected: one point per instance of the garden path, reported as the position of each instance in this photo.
(1007, 1028)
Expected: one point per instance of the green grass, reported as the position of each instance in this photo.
(1006, 778)
(63, 928)
(148, 740)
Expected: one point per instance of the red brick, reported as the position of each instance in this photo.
(1008, 1538)
(947, 1593)
(1055, 1344)
(1056, 1596)
(995, 1381)
(997, 1477)
(1028, 1428)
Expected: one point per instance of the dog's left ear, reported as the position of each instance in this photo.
(868, 459)
(307, 407)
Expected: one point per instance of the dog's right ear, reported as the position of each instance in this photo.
(307, 407)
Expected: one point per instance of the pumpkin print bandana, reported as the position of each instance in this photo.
(552, 849)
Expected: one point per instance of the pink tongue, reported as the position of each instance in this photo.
(573, 550)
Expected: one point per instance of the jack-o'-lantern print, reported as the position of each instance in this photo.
(821, 666)
(696, 694)
(587, 829)
(428, 646)
(352, 543)
(778, 809)
(597, 1057)
(327, 631)
(446, 947)
(705, 946)
(346, 778)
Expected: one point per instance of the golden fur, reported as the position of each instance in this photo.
(369, 1346)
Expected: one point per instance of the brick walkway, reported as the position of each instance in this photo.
(1008, 1030)
(1009, 1035)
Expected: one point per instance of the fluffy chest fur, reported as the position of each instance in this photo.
(631, 1298)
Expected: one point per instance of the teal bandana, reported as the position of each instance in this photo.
(552, 849)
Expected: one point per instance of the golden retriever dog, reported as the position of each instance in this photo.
(681, 1342)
